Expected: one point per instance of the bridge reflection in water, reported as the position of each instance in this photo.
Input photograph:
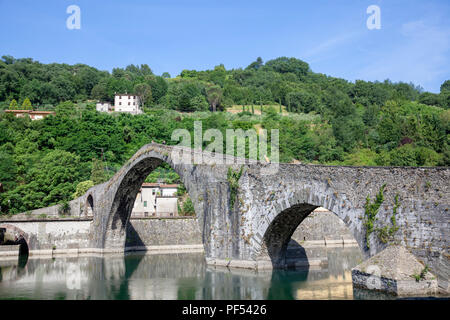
(176, 276)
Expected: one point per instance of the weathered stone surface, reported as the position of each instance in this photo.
(393, 270)
(163, 232)
(322, 225)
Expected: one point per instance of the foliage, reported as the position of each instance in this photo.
(26, 105)
(82, 188)
(13, 104)
(98, 172)
(64, 208)
(421, 275)
(370, 213)
(386, 233)
(188, 208)
(233, 181)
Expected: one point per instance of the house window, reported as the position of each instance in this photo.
(120, 103)
(128, 103)
(134, 103)
(145, 203)
(153, 191)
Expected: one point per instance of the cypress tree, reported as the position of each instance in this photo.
(13, 104)
(27, 104)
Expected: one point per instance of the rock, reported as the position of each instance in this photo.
(394, 271)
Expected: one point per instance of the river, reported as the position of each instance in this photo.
(177, 276)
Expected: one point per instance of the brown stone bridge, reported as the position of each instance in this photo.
(253, 229)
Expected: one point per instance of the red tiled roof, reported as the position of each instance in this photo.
(152, 184)
(30, 111)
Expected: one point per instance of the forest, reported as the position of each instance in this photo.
(321, 119)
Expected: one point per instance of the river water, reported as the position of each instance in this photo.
(177, 276)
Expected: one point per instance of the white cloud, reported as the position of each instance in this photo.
(325, 47)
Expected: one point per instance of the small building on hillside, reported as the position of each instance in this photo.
(104, 107)
(127, 103)
(156, 200)
(34, 115)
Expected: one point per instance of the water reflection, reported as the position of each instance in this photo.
(175, 276)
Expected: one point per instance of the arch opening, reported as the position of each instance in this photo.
(278, 240)
(11, 235)
(279, 232)
(130, 202)
(90, 206)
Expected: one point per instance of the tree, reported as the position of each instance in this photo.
(27, 104)
(8, 170)
(82, 188)
(50, 181)
(100, 92)
(445, 86)
(188, 207)
(256, 65)
(430, 99)
(66, 109)
(214, 96)
(286, 65)
(13, 104)
(166, 75)
(144, 92)
(98, 172)
(199, 103)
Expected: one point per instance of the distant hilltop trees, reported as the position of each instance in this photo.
(284, 81)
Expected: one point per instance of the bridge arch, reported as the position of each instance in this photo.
(123, 188)
(288, 215)
(89, 206)
(17, 236)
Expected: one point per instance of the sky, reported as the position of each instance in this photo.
(412, 44)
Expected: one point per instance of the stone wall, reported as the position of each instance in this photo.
(147, 232)
(44, 236)
(48, 236)
(322, 225)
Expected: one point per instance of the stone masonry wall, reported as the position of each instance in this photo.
(320, 225)
(65, 236)
(46, 235)
(163, 231)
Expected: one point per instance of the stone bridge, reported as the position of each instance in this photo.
(252, 228)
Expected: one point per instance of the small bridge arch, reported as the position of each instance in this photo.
(16, 235)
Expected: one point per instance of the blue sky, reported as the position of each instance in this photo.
(413, 44)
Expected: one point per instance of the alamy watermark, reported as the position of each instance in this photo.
(374, 20)
(74, 20)
(374, 280)
(236, 143)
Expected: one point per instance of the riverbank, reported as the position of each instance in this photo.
(54, 235)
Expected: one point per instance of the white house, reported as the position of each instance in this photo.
(127, 103)
(154, 199)
(104, 107)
